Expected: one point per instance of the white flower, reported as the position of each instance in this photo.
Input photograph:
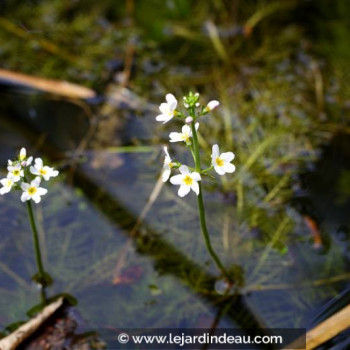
(32, 191)
(168, 164)
(221, 162)
(23, 156)
(41, 170)
(167, 109)
(211, 105)
(7, 184)
(15, 171)
(184, 135)
(187, 181)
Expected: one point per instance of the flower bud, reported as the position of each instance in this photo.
(22, 154)
(189, 120)
(212, 105)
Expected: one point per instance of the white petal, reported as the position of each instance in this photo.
(38, 163)
(164, 108)
(50, 172)
(166, 151)
(176, 179)
(219, 170)
(229, 168)
(41, 191)
(36, 182)
(24, 186)
(16, 178)
(184, 169)
(166, 175)
(186, 130)
(25, 196)
(36, 198)
(164, 118)
(196, 176)
(29, 161)
(215, 152)
(4, 181)
(227, 156)
(170, 98)
(13, 168)
(175, 137)
(4, 190)
(183, 190)
(213, 104)
(161, 117)
(196, 126)
(34, 171)
(167, 161)
(195, 188)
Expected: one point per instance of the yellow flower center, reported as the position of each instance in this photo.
(188, 180)
(219, 161)
(32, 190)
(43, 172)
(16, 172)
(171, 164)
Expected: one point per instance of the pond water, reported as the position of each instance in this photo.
(126, 246)
(118, 270)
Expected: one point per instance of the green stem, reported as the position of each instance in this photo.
(197, 159)
(206, 233)
(201, 205)
(39, 262)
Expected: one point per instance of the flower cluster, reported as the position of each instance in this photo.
(22, 175)
(189, 177)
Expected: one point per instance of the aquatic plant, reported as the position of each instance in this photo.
(25, 177)
(190, 177)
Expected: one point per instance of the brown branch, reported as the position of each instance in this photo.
(12, 341)
(56, 87)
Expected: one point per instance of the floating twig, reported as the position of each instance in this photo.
(23, 332)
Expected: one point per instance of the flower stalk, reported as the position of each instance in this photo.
(38, 258)
(191, 178)
(201, 208)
